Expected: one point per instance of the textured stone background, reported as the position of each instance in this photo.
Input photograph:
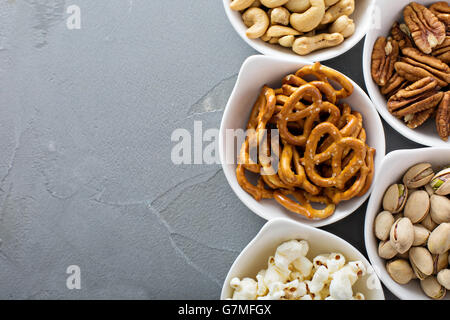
(85, 173)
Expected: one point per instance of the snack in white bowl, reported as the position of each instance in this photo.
(276, 27)
(406, 76)
(275, 265)
(291, 275)
(267, 72)
(413, 241)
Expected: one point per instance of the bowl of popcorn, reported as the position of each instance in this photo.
(304, 30)
(407, 225)
(290, 261)
(406, 71)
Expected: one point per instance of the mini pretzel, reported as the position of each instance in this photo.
(267, 171)
(340, 176)
(258, 192)
(260, 115)
(323, 74)
(286, 174)
(303, 206)
(361, 184)
(371, 166)
(291, 81)
(310, 114)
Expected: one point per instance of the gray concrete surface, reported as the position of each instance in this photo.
(85, 173)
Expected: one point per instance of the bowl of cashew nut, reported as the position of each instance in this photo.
(290, 261)
(305, 30)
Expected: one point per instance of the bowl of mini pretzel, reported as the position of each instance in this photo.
(299, 141)
(304, 30)
(406, 71)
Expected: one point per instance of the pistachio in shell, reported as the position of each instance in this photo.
(402, 235)
(433, 288)
(421, 235)
(429, 189)
(439, 240)
(395, 198)
(386, 250)
(421, 261)
(404, 255)
(440, 261)
(417, 206)
(443, 278)
(440, 209)
(400, 271)
(419, 175)
(441, 182)
(383, 224)
(429, 223)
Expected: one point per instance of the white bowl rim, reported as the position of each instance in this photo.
(284, 221)
(320, 55)
(374, 93)
(369, 220)
(381, 151)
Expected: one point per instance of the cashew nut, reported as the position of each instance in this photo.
(273, 3)
(281, 31)
(257, 21)
(343, 7)
(306, 45)
(238, 5)
(273, 40)
(265, 37)
(256, 4)
(286, 41)
(329, 3)
(298, 5)
(344, 25)
(279, 15)
(311, 18)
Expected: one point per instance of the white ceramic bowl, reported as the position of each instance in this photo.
(254, 257)
(361, 16)
(392, 169)
(255, 72)
(386, 12)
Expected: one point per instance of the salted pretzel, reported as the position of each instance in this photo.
(303, 205)
(292, 82)
(260, 115)
(310, 115)
(259, 191)
(287, 175)
(266, 159)
(325, 74)
(322, 155)
(334, 152)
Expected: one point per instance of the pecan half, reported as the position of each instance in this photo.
(442, 51)
(442, 11)
(415, 65)
(417, 119)
(394, 84)
(443, 117)
(417, 97)
(426, 29)
(384, 55)
(399, 35)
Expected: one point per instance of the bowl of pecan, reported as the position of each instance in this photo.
(299, 141)
(406, 71)
(304, 30)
